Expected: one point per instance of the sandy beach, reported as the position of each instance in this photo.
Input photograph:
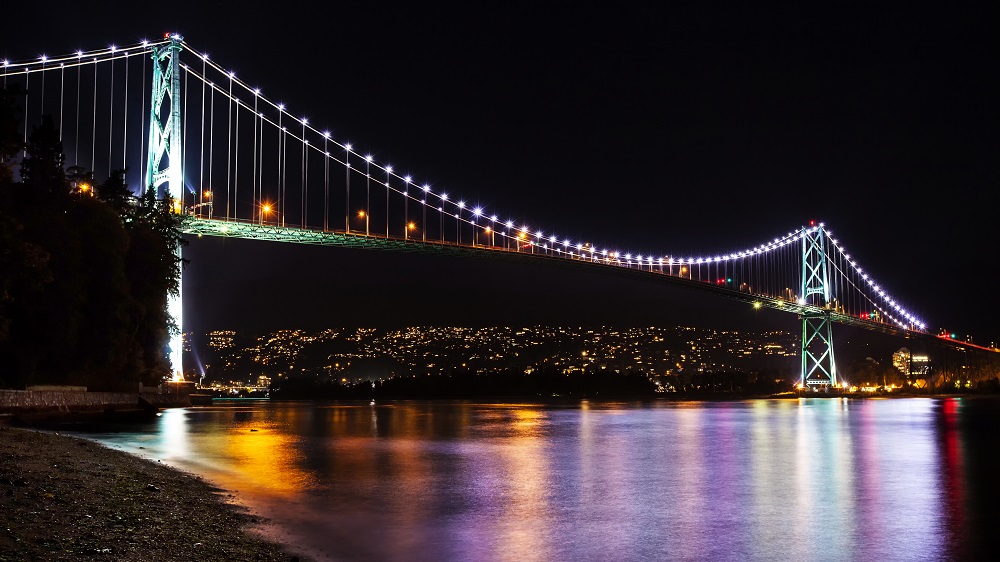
(65, 498)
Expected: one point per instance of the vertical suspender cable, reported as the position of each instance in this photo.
(184, 154)
(142, 127)
(211, 139)
(201, 174)
(62, 90)
(305, 178)
(304, 175)
(42, 98)
(125, 113)
(27, 86)
(842, 280)
(76, 129)
(236, 165)
(347, 183)
(279, 200)
(260, 181)
(111, 110)
(326, 183)
(93, 132)
(253, 174)
(368, 193)
(284, 172)
(229, 143)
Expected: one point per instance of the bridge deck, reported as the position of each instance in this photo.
(277, 233)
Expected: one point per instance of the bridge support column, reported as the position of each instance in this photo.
(164, 161)
(818, 366)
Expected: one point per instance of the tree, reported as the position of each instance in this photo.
(84, 281)
(9, 121)
(42, 167)
(153, 267)
(115, 192)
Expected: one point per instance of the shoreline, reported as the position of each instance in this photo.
(64, 497)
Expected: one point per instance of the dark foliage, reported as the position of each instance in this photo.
(84, 274)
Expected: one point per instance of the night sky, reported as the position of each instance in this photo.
(681, 131)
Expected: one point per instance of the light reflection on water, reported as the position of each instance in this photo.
(810, 479)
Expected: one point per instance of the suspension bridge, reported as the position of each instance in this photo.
(238, 164)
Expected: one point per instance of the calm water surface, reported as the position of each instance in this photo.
(808, 479)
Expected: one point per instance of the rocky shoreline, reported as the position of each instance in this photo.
(66, 498)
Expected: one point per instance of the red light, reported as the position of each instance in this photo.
(166, 36)
(812, 223)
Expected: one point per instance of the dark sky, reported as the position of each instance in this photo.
(678, 130)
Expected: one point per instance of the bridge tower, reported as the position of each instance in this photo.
(164, 160)
(818, 366)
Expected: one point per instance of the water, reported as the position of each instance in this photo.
(810, 479)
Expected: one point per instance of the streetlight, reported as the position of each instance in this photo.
(208, 195)
(265, 209)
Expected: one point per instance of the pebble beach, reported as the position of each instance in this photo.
(66, 498)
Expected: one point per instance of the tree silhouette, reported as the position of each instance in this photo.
(84, 280)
